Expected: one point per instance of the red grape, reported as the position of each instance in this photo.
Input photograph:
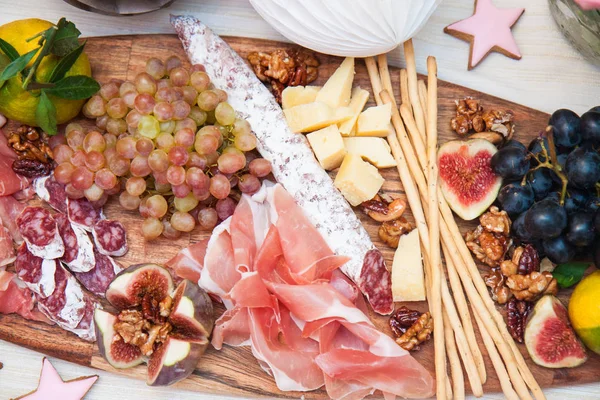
(248, 184)
(105, 179)
(62, 153)
(176, 175)
(225, 208)
(82, 178)
(259, 167)
(178, 155)
(220, 186)
(207, 218)
(63, 172)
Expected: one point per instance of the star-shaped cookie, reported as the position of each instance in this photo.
(488, 29)
(52, 387)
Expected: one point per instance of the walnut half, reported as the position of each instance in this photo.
(418, 333)
(532, 286)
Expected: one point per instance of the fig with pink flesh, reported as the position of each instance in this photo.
(467, 180)
(166, 328)
(118, 353)
(549, 337)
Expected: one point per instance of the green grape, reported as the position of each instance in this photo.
(148, 126)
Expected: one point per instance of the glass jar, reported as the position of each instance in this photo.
(581, 28)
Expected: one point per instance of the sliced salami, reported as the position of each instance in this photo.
(375, 282)
(81, 212)
(98, 279)
(85, 328)
(79, 250)
(37, 273)
(52, 192)
(110, 238)
(67, 305)
(40, 232)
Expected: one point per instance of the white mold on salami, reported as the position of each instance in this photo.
(40, 232)
(110, 238)
(71, 312)
(37, 273)
(79, 250)
(294, 165)
(39, 184)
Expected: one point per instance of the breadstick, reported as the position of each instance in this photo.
(423, 96)
(384, 76)
(417, 139)
(413, 90)
(404, 89)
(458, 379)
(465, 316)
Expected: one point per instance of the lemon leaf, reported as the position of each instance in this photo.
(77, 87)
(18, 65)
(45, 114)
(4, 61)
(65, 64)
(568, 274)
(66, 38)
(7, 49)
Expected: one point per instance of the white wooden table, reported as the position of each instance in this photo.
(551, 75)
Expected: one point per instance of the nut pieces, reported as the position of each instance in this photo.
(381, 208)
(489, 242)
(532, 286)
(282, 68)
(390, 231)
(418, 333)
(168, 328)
(493, 125)
(34, 156)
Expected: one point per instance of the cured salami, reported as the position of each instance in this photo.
(52, 192)
(81, 212)
(110, 238)
(98, 279)
(69, 306)
(293, 162)
(79, 251)
(375, 282)
(40, 232)
(37, 273)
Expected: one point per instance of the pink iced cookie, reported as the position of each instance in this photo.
(52, 387)
(488, 29)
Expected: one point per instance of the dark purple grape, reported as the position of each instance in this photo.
(575, 200)
(515, 198)
(541, 181)
(519, 229)
(597, 252)
(516, 144)
(546, 219)
(594, 109)
(559, 250)
(566, 128)
(590, 127)
(583, 168)
(580, 231)
(592, 205)
(510, 163)
(554, 196)
(535, 148)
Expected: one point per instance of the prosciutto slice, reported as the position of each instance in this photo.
(18, 299)
(10, 182)
(304, 320)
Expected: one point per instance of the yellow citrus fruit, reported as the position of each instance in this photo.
(584, 311)
(20, 105)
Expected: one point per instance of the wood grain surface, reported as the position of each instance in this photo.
(234, 371)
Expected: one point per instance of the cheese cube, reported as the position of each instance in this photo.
(373, 149)
(336, 91)
(374, 121)
(358, 180)
(408, 282)
(296, 95)
(357, 103)
(328, 146)
(312, 116)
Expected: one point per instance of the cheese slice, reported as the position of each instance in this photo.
(328, 146)
(358, 180)
(374, 121)
(357, 103)
(312, 116)
(336, 91)
(373, 149)
(297, 95)
(408, 281)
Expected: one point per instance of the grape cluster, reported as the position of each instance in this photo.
(552, 188)
(172, 148)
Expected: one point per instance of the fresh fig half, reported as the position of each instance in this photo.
(118, 353)
(192, 313)
(173, 361)
(549, 337)
(467, 180)
(132, 284)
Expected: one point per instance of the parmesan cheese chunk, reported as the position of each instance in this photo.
(408, 283)
(312, 116)
(296, 95)
(374, 121)
(336, 91)
(357, 103)
(373, 149)
(358, 180)
(328, 146)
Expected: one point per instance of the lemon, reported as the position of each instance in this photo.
(584, 311)
(19, 104)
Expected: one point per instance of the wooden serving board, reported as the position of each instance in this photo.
(235, 370)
